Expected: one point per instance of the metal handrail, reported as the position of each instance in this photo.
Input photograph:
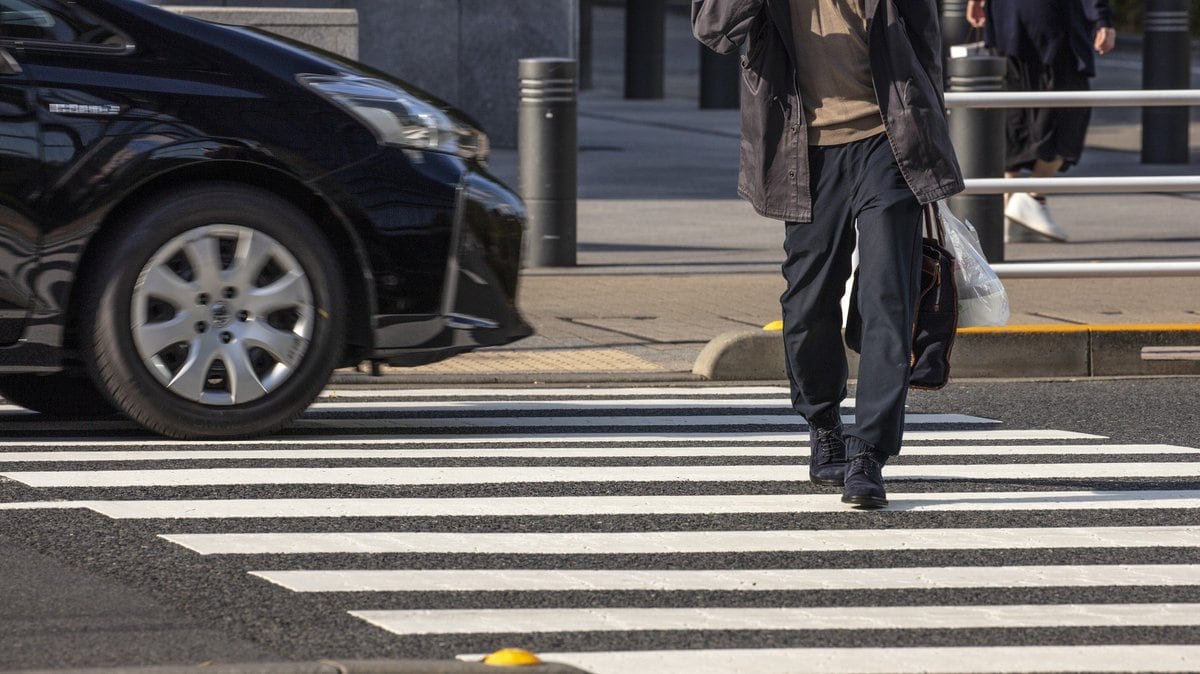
(1091, 99)
(1083, 185)
(1074, 99)
(1027, 270)
(1108, 185)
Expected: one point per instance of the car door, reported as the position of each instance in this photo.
(20, 186)
(47, 130)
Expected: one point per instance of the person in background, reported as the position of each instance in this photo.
(843, 121)
(1049, 45)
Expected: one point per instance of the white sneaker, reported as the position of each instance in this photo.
(1015, 232)
(1025, 210)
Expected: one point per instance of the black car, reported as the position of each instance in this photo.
(199, 222)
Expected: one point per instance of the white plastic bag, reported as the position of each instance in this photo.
(982, 300)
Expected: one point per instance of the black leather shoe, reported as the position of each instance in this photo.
(864, 481)
(827, 461)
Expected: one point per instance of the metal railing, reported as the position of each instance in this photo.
(1074, 99)
(1086, 185)
(1062, 185)
(1027, 270)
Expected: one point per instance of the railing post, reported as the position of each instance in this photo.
(547, 148)
(1166, 64)
(720, 79)
(978, 136)
(645, 46)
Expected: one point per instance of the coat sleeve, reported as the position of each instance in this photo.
(1098, 13)
(922, 23)
(722, 25)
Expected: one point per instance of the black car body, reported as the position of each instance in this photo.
(145, 155)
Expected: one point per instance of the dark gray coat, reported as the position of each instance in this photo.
(906, 65)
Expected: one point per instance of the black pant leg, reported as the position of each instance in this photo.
(889, 276)
(816, 268)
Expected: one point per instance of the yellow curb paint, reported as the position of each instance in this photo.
(1008, 329)
(1165, 327)
(1107, 327)
(512, 657)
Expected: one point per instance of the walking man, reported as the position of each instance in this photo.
(843, 122)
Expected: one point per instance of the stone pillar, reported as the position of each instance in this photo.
(1166, 64)
(645, 48)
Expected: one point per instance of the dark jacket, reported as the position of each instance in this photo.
(1035, 31)
(906, 64)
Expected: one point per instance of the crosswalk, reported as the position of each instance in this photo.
(666, 529)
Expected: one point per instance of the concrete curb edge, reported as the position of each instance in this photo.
(1008, 352)
(334, 667)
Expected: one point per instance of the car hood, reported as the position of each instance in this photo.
(247, 49)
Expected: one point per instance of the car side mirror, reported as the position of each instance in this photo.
(8, 64)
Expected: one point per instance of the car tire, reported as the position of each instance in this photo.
(60, 395)
(214, 312)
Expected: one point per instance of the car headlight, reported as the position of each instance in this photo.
(398, 118)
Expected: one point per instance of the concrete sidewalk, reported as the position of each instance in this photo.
(670, 261)
(600, 326)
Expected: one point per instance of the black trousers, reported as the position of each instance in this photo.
(1045, 133)
(860, 182)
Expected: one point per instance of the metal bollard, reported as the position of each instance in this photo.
(720, 79)
(1166, 64)
(547, 146)
(645, 48)
(954, 26)
(978, 136)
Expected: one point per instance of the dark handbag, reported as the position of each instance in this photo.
(936, 321)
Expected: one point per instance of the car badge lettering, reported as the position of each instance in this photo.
(83, 109)
(220, 315)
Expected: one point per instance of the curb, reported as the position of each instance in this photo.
(1018, 351)
(333, 667)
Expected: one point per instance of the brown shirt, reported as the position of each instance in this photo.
(834, 71)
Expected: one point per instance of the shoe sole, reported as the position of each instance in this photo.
(827, 483)
(1061, 238)
(865, 502)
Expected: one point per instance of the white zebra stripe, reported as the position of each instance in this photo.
(542, 405)
(551, 392)
(932, 660)
(621, 505)
(795, 450)
(534, 620)
(524, 439)
(740, 580)
(527, 422)
(543, 474)
(620, 421)
(662, 542)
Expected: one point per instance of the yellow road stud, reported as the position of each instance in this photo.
(512, 657)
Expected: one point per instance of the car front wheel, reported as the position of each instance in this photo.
(215, 313)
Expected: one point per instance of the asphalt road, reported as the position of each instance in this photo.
(1098, 474)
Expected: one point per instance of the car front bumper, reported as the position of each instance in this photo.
(479, 289)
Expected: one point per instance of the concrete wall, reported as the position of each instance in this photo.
(334, 30)
(463, 51)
